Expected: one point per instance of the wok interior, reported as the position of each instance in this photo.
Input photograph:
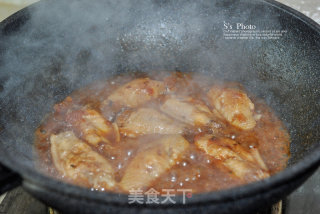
(56, 47)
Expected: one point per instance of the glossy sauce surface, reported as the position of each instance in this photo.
(193, 168)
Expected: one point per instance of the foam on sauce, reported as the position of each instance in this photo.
(194, 169)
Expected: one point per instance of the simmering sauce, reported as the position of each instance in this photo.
(169, 130)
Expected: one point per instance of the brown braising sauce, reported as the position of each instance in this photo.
(169, 130)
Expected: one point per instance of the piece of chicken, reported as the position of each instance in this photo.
(76, 161)
(180, 83)
(147, 121)
(188, 110)
(151, 162)
(135, 93)
(234, 105)
(242, 163)
(92, 127)
(250, 154)
(193, 112)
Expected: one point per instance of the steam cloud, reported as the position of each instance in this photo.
(65, 45)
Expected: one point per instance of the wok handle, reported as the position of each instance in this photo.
(8, 179)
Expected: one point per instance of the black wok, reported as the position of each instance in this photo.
(54, 47)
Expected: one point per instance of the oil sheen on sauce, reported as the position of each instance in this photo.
(193, 169)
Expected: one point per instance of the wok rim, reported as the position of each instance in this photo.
(41, 181)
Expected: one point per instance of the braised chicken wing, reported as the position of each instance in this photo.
(150, 163)
(135, 93)
(242, 163)
(234, 105)
(93, 127)
(187, 110)
(147, 121)
(76, 161)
